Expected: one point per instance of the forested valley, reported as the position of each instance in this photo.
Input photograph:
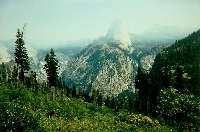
(167, 97)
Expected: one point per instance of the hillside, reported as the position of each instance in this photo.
(101, 66)
(185, 53)
(105, 73)
(110, 63)
(22, 110)
(176, 74)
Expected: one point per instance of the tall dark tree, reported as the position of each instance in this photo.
(179, 82)
(21, 56)
(166, 76)
(14, 73)
(68, 90)
(112, 103)
(86, 96)
(107, 102)
(8, 73)
(74, 93)
(51, 68)
(131, 101)
(142, 83)
(93, 96)
(99, 98)
(3, 72)
(156, 83)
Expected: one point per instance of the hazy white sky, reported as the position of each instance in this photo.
(54, 21)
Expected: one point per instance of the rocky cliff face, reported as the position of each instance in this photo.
(107, 67)
(109, 63)
(106, 64)
(4, 55)
(101, 66)
(146, 59)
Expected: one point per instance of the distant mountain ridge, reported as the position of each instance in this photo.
(110, 63)
(164, 34)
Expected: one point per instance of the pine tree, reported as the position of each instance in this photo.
(156, 83)
(94, 95)
(107, 102)
(21, 56)
(51, 68)
(87, 96)
(166, 76)
(14, 73)
(99, 98)
(3, 72)
(35, 82)
(68, 90)
(74, 91)
(131, 104)
(112, 103)
(142, 83)
(179, 82)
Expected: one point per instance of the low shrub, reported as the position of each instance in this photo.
(14, 117)
(137, 119)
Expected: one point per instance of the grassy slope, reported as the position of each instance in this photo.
(21, 110)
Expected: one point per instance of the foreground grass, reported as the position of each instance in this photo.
(22, 110)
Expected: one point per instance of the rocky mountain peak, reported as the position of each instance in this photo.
(118, 34)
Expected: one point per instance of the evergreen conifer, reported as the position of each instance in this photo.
(21, 56)
(51, 68)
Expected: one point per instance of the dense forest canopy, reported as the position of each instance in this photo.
(184, 57)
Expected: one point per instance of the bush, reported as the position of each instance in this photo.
(137, 119)
(14, 117)
(181, 110)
